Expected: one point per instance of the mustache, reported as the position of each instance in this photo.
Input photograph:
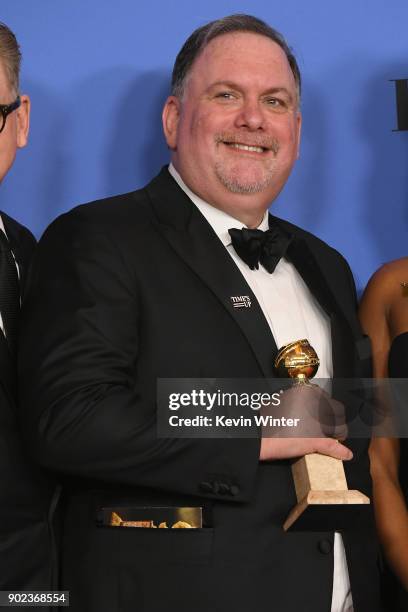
(249, 139)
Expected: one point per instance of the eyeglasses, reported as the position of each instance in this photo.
(6, 109)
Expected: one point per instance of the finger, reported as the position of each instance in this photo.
(340, 431)
(333, 448)
(332, 416)
(327, 416)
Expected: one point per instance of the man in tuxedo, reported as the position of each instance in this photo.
(143, 286)
(25, 545)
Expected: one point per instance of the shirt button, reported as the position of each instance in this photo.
(325, 546)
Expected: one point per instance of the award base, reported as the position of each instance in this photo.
(322, 494)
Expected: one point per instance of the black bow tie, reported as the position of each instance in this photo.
(255, 246)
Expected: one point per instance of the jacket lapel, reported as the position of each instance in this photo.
(194, 240)
(7, 369)
(17, 247)
(343, 349)
(191, 236)
(7, 362)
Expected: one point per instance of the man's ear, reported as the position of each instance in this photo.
(170, 118)
(299, 131)
(23, 121)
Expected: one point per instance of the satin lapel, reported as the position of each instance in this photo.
(343, 347)
(16, 247)
(7, 365)
(193, 239)
(7, 369)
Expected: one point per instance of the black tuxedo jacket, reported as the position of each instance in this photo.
(25, 543)
(138, 287)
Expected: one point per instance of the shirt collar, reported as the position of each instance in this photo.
(220, 221)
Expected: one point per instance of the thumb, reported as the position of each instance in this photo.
(333, 448)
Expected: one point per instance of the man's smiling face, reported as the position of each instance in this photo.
(235, 132)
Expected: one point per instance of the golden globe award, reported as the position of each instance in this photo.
(320, 481)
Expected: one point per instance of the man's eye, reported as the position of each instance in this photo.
(277, 104)
(226, 95)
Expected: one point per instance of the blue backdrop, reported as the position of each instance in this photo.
(98, 73)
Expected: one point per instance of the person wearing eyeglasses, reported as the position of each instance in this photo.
(25, 493)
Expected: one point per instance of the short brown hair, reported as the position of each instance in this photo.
(200, 38)
(10, 55)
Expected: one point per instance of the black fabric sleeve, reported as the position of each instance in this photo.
(85, 412)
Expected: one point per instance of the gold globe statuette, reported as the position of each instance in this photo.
(297, 360)
(320, 480)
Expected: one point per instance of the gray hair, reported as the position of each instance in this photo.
(10, 55)
(201, 37)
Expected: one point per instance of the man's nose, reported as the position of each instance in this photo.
(250, 115)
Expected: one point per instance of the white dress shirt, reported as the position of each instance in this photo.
(292, 313)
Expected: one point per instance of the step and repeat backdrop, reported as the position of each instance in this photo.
(98, 73)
